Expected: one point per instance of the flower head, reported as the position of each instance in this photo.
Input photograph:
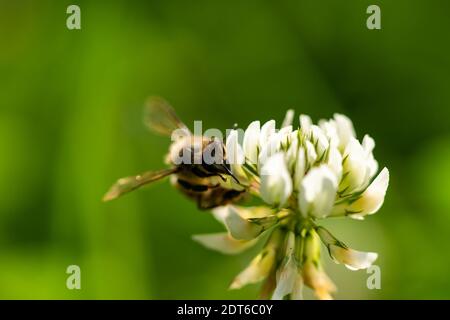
(302, 175)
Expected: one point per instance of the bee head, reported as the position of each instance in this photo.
(213, 152)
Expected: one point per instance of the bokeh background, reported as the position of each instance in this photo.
(70, 124)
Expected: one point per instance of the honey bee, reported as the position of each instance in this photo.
(209, 183)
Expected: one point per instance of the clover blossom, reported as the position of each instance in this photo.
(302, 175)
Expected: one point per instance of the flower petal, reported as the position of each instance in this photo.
(257, 271)
(251, 142)
(271, 147)
(220, 213)
(344, 128)
(372, 198)
(223, 242)
(335, 162)
(263, 264)
(234, 152)
(276, 182)
(311, 154)
(352, 259)
(312, 272)
(292, 153)
(267, 130)
(340, 253)
(285, 134)
(287, 273)
(288, 118)
(368, 145)
(319, 140)
(300, 168)
(297, 289)
(356, 168)
(305, 123)
(330, 130)
(242, 228)
(317, 192)
(315, 278)
(235, 158)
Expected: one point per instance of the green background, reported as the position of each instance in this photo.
(70, 124)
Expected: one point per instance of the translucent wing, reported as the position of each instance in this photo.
(125, 185)
(160, 117)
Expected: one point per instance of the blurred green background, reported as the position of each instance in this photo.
(70, 125)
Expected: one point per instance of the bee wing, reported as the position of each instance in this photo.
(127, 184)
(161, 118)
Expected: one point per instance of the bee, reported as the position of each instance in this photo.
(209, 183)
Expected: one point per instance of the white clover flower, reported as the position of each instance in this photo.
(305, 123)
(320, 141)
(311, 153)
(312, 271)
(287, 272)
(300, 168)
(288, 118)
(297, 289)
(249, 223)
(368, 145)
(356, 166)
(258, 269)
(373, 197)
(267, 130)
(317, 192)
(223, 242)
(303, 174)
(262, 265)
(235, 154)
(354, 260)
(276, 182)
(330, 130)
(292, 151)
(251, 142)
(334, 162)
(367, 203)
(269, 149)
(344, 129)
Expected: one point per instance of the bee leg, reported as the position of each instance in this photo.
(202, 173)
(193, 187)
(196, 187)
(232, 195)
(203, 206)
(231, 174)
